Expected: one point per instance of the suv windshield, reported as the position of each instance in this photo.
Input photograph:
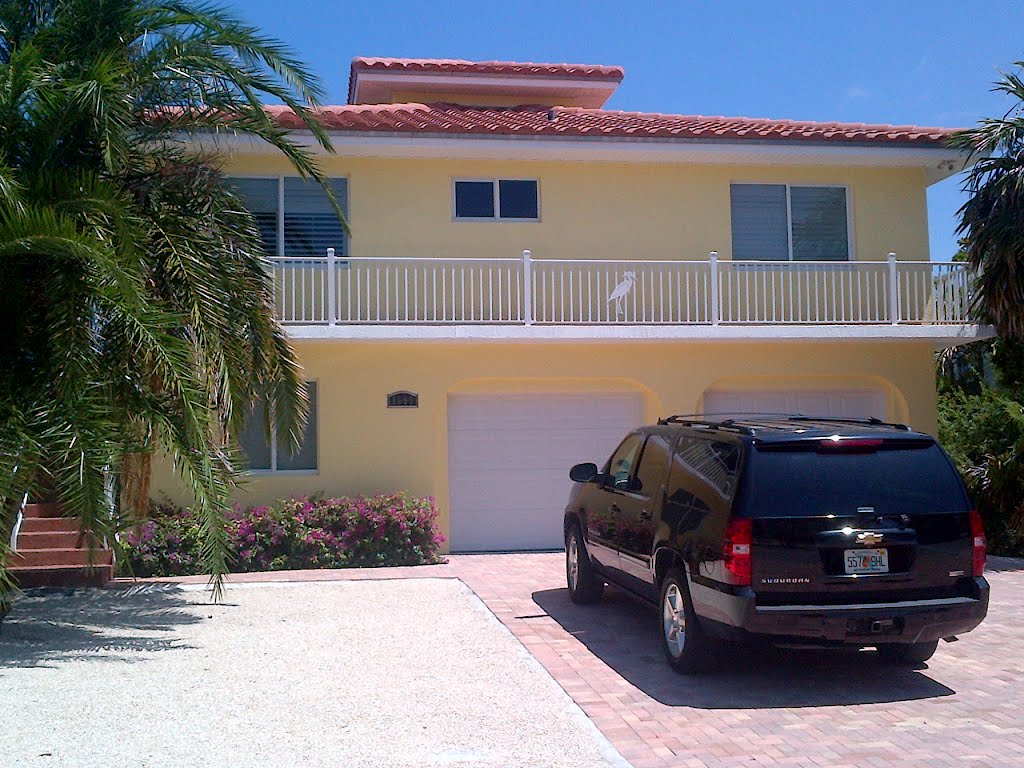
(798, 480)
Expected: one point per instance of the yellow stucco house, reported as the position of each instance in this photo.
(530, 275)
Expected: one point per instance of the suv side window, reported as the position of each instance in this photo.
(653, 465)
(620, 465)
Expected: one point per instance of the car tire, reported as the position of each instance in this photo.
(686, 646)
(585, 586)
(907, 653)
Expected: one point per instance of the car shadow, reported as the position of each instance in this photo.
(624, 634)
(47, 626)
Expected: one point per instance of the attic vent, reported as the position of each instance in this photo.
(403, 400)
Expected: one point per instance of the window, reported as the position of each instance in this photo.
(512, 199)
(779, 222)
(306, 225)
(620, 465)
(716, 462)
(653, 465)
(267, 457)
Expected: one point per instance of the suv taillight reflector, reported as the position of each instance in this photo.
(978, 544)
(739, 536)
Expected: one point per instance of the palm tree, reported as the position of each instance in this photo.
(137, 311)
(992, 219)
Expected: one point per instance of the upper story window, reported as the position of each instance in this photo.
(294, 216)
(494, 199)
(783, 222)
(267, 456)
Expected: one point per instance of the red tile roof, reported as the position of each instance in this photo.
(459, 66)
(453, 119)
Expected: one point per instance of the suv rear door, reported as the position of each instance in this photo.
(858, 520)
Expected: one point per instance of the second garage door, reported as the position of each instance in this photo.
(509, 458)
(851, 403)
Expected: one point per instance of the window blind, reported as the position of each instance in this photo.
(759, 227)
(310, 224)
(260, 197)
(819, 224)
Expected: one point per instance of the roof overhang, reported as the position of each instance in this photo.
(938, 162)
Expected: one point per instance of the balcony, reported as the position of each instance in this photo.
(371, 297)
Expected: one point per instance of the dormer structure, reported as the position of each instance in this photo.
(481, 83)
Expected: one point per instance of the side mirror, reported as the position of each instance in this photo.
(583, 473)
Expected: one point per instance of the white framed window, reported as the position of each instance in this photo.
(266, 457)
(496, 200)
(790, 222)
(294, 215)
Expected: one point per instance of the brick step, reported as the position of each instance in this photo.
(49, 525)
(62, 575)
(43, 509)
(59, 557)
(49, 540)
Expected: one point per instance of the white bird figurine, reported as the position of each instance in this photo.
(621, 291)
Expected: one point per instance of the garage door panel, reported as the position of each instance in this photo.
(852, 403)
(509, 458)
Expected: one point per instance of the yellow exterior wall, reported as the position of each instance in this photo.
(366, 448)
(403, 207)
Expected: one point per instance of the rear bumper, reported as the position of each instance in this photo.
(911, 621)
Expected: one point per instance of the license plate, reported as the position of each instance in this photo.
(867, 561)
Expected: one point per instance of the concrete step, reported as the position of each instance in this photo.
(59, 557)
(49, 540)
(62, 576)
(49, 525)
(47, 509)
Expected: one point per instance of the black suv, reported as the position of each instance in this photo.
(798, 530)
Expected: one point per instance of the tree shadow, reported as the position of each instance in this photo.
(625, 635)
(49, 626)
(996, 564)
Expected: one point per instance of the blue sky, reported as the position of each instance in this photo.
(929, 63)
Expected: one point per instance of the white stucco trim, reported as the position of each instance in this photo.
(938, 162)
(941, 335)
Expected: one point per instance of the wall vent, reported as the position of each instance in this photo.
(403, 400)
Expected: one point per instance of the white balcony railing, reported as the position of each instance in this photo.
(525, 291)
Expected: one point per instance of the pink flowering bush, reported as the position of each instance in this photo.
(304, 532)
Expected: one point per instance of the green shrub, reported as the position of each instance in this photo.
(984, 435)
(298, 533)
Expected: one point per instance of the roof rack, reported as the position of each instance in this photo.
(734, 422)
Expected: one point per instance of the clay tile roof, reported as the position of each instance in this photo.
(459, 66)
(458, 120)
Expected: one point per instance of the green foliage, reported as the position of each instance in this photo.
(992, 219)
(137, 309)
(298, 533)
(984, 435)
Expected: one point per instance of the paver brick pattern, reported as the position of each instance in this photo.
(762, 707)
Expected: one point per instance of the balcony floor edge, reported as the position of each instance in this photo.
(941, 335)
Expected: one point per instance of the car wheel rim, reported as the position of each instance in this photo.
(674, 620)
(573, 557)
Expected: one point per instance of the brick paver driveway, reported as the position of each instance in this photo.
(764, 708)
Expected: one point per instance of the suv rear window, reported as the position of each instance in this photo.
(793, 480)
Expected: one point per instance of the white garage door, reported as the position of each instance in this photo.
(851, 403)
(509, 458)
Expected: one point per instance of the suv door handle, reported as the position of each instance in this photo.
(615, 508)
(645, 515)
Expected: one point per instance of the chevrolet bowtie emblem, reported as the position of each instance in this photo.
(869, 539)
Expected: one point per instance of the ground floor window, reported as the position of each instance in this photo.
(266, 456)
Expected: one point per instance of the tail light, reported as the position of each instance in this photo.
(739, 536)
(977, 544)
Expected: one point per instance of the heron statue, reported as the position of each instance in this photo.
(621, 291)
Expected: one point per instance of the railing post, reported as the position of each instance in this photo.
(332, 289)
(527, 289)
(716, 314)
(894, 292)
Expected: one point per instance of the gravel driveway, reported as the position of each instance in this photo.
(374, 673)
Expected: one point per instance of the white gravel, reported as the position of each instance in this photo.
(373, 673)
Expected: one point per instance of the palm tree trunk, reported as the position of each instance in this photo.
(136, 475)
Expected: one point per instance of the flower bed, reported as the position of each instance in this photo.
(348, 532)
